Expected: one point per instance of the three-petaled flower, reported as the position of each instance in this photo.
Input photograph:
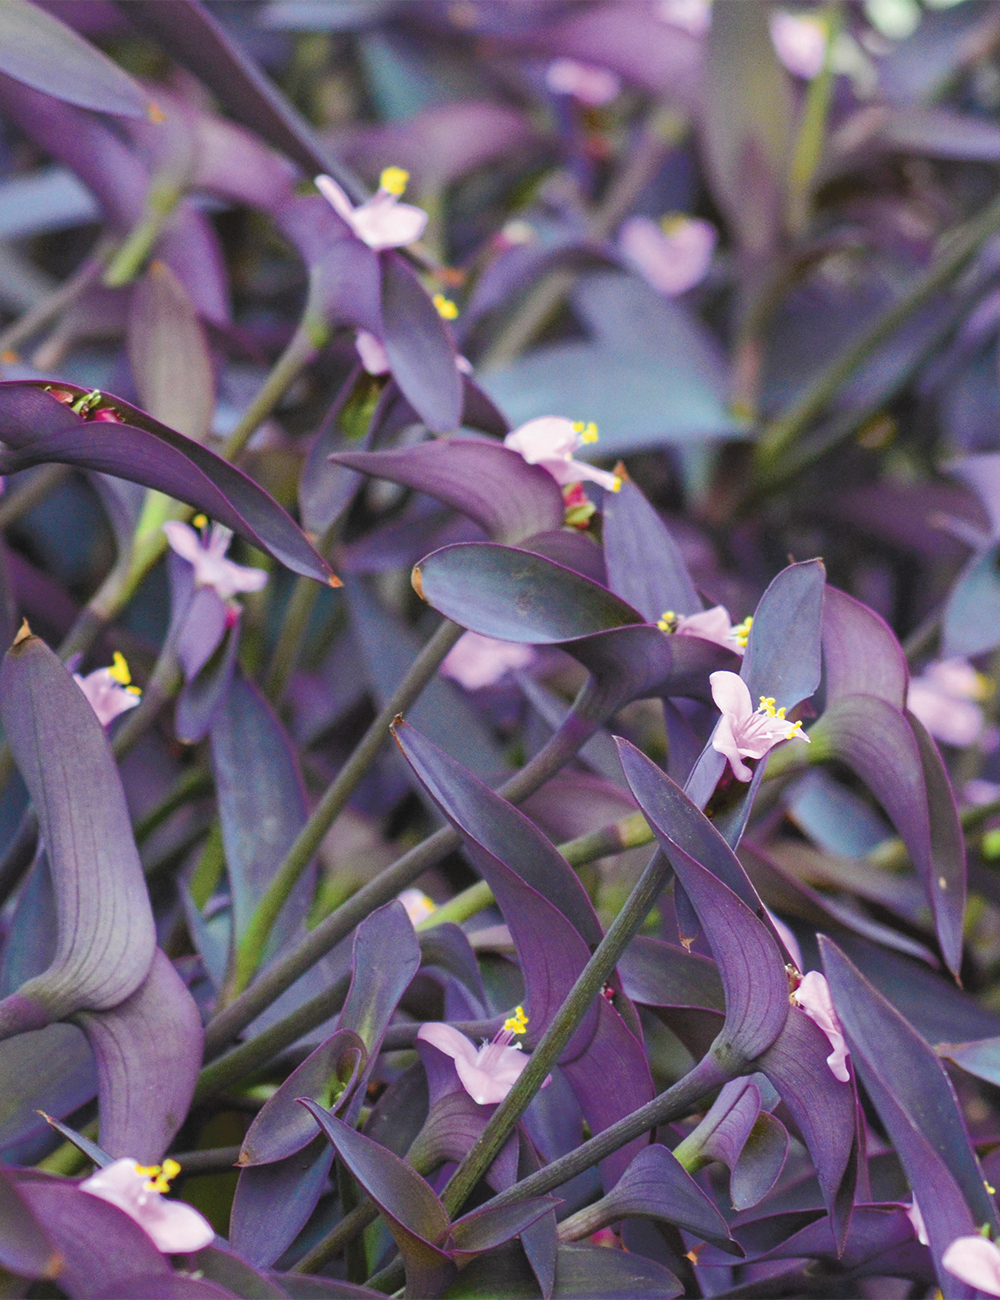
(110, 690)
(475, 661)
(743, 731)
(710, 625)
(489, 1072)
(673, 256)
(944, 698)
(813, 997)
(382, 221)
(550, 441)
(207, 554)
(176, 1228)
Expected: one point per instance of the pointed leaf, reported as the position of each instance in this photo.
(917, 1105)
(487, 1228)
(658, 974)
(50, 1070)
(106, 938)
(414, 1215)
(861, 655)
(822, 1107)
(488, 482)
(41, 430)
(582, 1273)
(148, 1050)
(274, 1202)
(168, 354)
(761, 1162)
(455, 1124)
(878, 743)
(645, 564)
(262, 805)
(202, 695)
(419, 347)
(38, 49)
(327, 1076)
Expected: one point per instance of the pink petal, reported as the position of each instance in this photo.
(580, 470)
(724, 742)
(711, 625)
(549, 437)
(585, 82)
(176, 1228)
(476, 661)
(448, 1040)
(107, 697)
(372, 353)
(183, 540)
(813, 996)
(336, 197)
(388, 225)
(672, 261)
(800, 43)
(731, 696)
(489, 1086)
(976, 1261)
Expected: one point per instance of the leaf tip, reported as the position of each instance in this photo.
(334, 581)
(155, 113)
(24, 633)
(417, 582)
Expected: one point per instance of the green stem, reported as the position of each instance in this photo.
(128, 262)
(192, 784)
(812, 128)
(779, 436)
(254, 940)
(38, 316)
(664, 129)
(311, 335)
(335, 1241)
(587, 987)
(286, 970)
(288, 647)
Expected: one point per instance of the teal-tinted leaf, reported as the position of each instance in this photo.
(972, 611)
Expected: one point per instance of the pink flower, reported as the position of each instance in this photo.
(489, 1072)
(975, 1261)
(550, 442)
(800, 42)
(208, 556)
(745, 732)
(672, 256)
(787, 938)
(175, 1228)
(475, 661)
(418, 906)
(710, 625)
(692, 16)
(110, 690)
(813, 996)
(942, 698)
(917, 1221)
(590, 85)
(381, 222)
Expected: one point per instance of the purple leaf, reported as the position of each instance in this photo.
(822, 1107)
(878, 743)
(658, 974)
(102, 1250)
(917, 1105)
(262, 805)
(486, 1228)
(419, 347)
(203, 623)
(455, 1123)
(783, 650)
(148, 1051)
(42, 430)
(861, 655)
(972, 609)
(573, 550)
(414, 1215)
(761, 1162)
(723, 1135)
(488, 482)
(327, 1076)
(50, 1070)
(645, 564)
(25, 1249)
(166, 342)
(105, 925)
(168, 1286)
(220, 1264)
(202, 695)
(273, 1202)
(582, 1273)
(38, 49)
(344, 273)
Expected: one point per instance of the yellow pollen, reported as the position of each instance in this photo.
(796, 728)
(673, 223)
(667, 621)
(741, 633)
(587, 432)
(159, 1176)
(199, 521)
(992, 1190)
(393, 180)
(119, 669)
(767, 705)
(445, 306)
(517, 1023)
(616, 485)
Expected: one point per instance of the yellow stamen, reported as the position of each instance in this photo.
(119, 669)
(587, 432)
(517, 1023)
(445, 306)
(667, 621)
(199, 521)
(673, 223)
(741, 633)
(767, 705)
(159, 1176)
(393, 180)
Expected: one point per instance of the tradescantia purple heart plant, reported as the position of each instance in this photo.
(499, 683)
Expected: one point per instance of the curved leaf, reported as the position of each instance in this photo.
(419, 347)
(43, 430)
(106, 938)
(50, 1070)
(148, 1051)
(658, 974)
(645, 564)
(38, 49)
(25, 1249)
(861, 655)
(514, 595)
(485, 480)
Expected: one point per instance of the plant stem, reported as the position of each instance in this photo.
(38, 316)
(663, 130)
(587, 987)
(288, 647)
(812, 128)
(299, 856)
(161, 200)
(962, 245)
(342, 1235)
(307, 340)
